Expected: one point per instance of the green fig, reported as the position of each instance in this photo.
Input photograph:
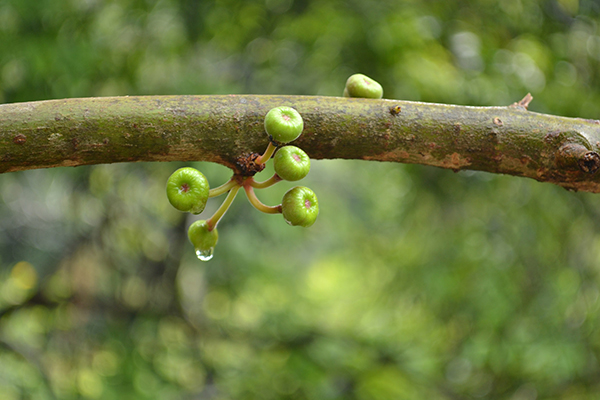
(187, 190)
(283, 124)
(203, 239)
(359, 85)
(300, 206)
(291, 163)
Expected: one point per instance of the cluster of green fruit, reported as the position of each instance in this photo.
(188, 189)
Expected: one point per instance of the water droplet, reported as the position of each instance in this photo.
(205, 255)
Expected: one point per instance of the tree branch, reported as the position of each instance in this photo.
(225, 129)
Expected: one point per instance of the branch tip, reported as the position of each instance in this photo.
(524, 103)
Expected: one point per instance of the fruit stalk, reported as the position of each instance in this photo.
(224, 188)
(267, 154)
(258, 204)
(214, 220)
(265, 184)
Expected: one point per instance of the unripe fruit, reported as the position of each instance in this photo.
(359, 85)
(187, 190)
(283, 124)
(291, 163)
(300, 206)
(203, 240)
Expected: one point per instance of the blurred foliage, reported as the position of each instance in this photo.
(414, 283)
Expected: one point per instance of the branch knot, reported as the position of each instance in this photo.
(590, 162)
(574, 154)
(247, 165)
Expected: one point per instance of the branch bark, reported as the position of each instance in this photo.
(226, 129)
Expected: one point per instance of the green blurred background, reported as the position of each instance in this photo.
(415, 282)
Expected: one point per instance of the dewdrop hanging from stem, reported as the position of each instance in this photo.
(204, 235)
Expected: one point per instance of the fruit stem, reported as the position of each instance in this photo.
(258, 204)
(269, 182)
(224, 188)
(214, 220)
(267, 154)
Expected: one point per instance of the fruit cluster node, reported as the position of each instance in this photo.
(188, 189)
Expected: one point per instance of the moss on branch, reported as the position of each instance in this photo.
(222, 129)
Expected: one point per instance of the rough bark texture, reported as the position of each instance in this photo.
(226, 129)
